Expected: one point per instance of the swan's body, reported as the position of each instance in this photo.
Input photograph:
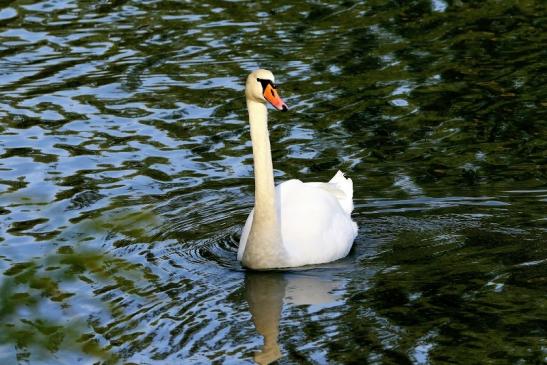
(315, 221)
(295, 223)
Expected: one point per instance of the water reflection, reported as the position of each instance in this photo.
(266, 292)
(126, 173)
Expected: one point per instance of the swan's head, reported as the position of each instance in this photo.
(261, 87)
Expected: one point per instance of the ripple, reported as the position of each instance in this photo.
(126, 176)
(7, 14)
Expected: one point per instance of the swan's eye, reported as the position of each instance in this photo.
(265, 82)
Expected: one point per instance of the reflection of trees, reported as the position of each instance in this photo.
(453, 96)
(43, 317)
(457, 301)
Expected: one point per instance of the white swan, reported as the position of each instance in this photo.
(295, 223)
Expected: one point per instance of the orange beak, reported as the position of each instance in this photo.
(273, 97)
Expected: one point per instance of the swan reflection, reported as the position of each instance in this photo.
(265, 293)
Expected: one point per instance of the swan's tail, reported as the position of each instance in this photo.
(346, 185)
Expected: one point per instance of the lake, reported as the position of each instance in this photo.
(126, 176)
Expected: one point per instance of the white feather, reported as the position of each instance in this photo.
(315, 220)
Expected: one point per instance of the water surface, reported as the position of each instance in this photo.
(126, 175)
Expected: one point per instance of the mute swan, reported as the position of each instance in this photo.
(295, 223)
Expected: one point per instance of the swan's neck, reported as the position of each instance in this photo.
(264, 248)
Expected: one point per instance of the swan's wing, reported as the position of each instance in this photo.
(315, 227)
(341, 188)
(245, 235)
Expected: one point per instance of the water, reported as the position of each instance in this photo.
(126, 176)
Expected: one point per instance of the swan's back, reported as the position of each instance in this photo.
(341, 188)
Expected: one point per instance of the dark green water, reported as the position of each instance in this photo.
(126, 175)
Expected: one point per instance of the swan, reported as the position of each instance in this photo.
(295, 223)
